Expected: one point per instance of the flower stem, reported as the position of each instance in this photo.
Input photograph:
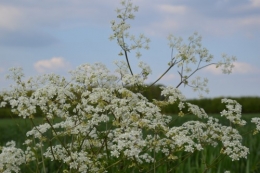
(128, 62)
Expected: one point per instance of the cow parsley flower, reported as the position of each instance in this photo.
(256, 121)
(11, 158)
(233, 112)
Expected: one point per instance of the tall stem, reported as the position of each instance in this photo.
(161, 76)
(128, 62)
(43, 164)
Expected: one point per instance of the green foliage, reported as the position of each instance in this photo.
(249, 104)
(187, 162)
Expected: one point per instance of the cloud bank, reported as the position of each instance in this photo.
(240, 68)
(53, 64)
(28, 20)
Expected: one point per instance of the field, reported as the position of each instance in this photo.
(15, 129)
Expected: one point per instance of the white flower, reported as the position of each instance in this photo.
(256, 121)
(11, 158)
(233, 112)
(173, 94)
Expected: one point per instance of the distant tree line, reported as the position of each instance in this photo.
(210, 105)
(214, 105)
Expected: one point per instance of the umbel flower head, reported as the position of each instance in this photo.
(105, 120)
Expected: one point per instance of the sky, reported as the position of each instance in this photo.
(56, 36)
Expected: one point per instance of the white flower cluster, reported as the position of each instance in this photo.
(11, 158)
(200, 86)
(256, 120)
(235, 150)
(227, 63)
(128, 79)
(188, 54)
(233, 112)
(104, 120)
(191, 57)
(172, 94)
(192, 135)
(195, 110)
(120, 30)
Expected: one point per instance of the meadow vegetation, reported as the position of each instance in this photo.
(12, 128)
(101, 121)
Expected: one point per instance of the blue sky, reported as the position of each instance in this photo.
(55, 36)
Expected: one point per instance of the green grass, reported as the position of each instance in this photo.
(200, 160)
(15, 129)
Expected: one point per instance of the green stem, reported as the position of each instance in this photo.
(161, 76)
(128, 63)
(43, 164)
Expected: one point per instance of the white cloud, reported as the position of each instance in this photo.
(229, 26)
(250, 21)
(12, 17)
(53, 64)
(169, 18)
(240, 68)
(169, 77)
(255, 3)
(173, 17)
(61, 13)
(212, 69)
(173, 9)
(244, 68)
(24, 22)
